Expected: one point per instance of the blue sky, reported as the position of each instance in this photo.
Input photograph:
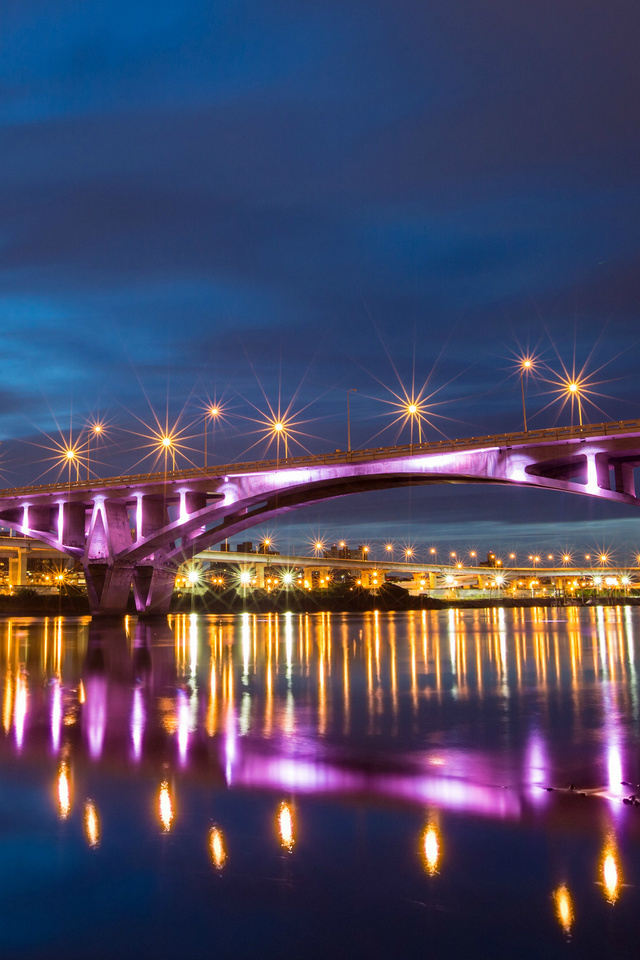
(198, 198)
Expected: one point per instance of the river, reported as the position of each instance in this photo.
(426, 784)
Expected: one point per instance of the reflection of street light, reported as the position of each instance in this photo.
(286, 826)
(564, 908)
(431, 849)
(610, 871)
(165, 807)
(91, 824)
(217, 849)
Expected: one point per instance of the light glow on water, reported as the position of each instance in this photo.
(431, 849)
(91, 824)
(564, 908)
(217, 848)
(286, 826)
(165, 807)
(610, 871)
(64, 791)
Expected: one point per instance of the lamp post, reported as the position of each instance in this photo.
(573, 390)
(213, 412)
(351, 390)
(96, 431)
(526, 364)
(279, 430)
(413, 412)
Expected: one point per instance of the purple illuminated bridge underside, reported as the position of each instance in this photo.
(136, 530)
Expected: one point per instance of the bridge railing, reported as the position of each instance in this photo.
(338, 456)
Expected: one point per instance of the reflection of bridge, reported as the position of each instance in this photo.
(137, 529)
(289, 702)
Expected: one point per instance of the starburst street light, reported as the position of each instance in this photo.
(165, 442)
(577, 388)
(279, 426)
(317, 544)
(66, 454)
(413, 406)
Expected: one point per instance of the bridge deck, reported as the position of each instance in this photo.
(530, 438)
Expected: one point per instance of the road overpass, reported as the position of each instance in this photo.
(136, 530)
(422, 577)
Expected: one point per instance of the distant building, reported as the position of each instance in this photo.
(490, 561)
(245, 547)
(340, 551)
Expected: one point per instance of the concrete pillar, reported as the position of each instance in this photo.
(625, 481)
(372, 579)
(153, 588)
(108, 588)
(259, 576)
(308, 578)
(602, 471)
(154, 516)
(73, 524)
(421, 581)
(119, 529)
(18, 569)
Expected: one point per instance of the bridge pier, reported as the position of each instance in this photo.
(108, 588)
(153, 588)
(18, 569)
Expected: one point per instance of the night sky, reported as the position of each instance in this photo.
(247, 200)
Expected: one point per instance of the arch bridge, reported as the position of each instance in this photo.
(136, 530)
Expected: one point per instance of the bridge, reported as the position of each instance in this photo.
(135, 531)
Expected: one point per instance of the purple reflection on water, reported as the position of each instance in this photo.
(137, 722)
(305, 776)
(230, 744)
(614, 766)
(183, 725)
(56, 715)
(20, 710)
(537, 769)
(96, 714)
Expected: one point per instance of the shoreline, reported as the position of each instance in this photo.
(396, 600)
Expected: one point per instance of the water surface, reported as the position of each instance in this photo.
(445, 784)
